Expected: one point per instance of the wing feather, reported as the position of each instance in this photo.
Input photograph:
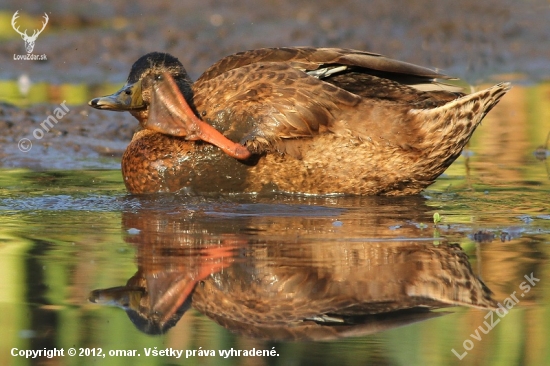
(307, 58)
(267, 112)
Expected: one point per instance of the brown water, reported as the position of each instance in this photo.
(247, 272)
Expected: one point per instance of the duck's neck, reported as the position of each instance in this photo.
(141, 115)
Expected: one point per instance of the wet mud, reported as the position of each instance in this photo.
(97, 41)
(34, 138)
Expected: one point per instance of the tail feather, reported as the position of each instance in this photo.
(467, 111)
(455, 122)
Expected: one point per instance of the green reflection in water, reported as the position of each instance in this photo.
(42, 92)
(17, 182)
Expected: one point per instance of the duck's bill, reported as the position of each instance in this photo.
(170, 114)
(126, 99)
(123, 296)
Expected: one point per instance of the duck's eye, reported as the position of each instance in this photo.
(158, 77)
(128, 92)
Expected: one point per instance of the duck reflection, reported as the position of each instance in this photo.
(263, 284)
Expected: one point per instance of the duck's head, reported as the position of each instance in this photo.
(152, 302)
(135, 95)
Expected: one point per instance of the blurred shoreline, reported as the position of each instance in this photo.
(97, 41)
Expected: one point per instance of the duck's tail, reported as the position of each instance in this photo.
(455, 122)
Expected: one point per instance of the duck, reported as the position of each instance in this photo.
(300, 120)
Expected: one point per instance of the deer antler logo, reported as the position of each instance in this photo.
(29, 40)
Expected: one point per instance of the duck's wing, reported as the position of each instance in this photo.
(325, 62)
(267, 107)
(270, 106)
(275, 107)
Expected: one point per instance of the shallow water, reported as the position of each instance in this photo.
(258, 266)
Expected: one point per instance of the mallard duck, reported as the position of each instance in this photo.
(300, 120)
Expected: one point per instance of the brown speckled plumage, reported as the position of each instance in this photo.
(317, 121)
(301, 292)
